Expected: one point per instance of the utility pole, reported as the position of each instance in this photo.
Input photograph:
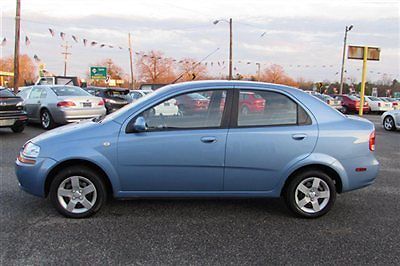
(16, 45)
(347, 29)
(230, 49)
(130, 60)
(65, 53)
(258, 71)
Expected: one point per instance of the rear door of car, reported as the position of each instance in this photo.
(262, 145)
(33, 102)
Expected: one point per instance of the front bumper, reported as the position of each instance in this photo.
(32, 177)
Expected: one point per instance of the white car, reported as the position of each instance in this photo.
(378, 105)
(167, 108)
(391, 120)
(395, 102)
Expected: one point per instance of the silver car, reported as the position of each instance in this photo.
(391, 120)
(60, 104)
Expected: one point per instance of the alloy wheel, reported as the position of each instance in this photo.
(312, 195)
(388, 123)
(77, 194)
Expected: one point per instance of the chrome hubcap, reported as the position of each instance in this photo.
(77, 194)
(45, 119)
(312, 195)
(388, 123)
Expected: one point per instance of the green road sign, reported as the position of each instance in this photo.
(98, 72)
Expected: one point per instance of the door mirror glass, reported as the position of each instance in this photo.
(140, 124)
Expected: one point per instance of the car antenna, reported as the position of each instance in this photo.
(198, 63)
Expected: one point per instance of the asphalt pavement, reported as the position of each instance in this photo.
(363, 228)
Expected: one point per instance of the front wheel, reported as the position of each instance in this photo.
(77, 192)
(310, 194)
(388, 123)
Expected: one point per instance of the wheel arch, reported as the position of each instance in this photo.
(73, 162)
(321, 167)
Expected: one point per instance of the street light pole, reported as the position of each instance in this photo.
(230, 49)
(230, 44)
(16, 45)
(347, 29)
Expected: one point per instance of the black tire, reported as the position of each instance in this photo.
(290, 194)
(46, 125)
(80, 171)
(18, 128)
(388, 123)
(345, 110)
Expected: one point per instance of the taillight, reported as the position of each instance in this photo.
(65, 104)
(372, 141)
(101, 103)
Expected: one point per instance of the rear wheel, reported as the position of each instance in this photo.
(18, 128)
(310, 194)
(345, 110)
(46, 120)
(77, 192)
(388, 123)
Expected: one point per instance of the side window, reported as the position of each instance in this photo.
(136, 95)
(187, 111)
(265, 108)
(43, 95)
(35, 93)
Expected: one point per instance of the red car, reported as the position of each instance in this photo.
(250, 102)
(192, 103)
(351, 103)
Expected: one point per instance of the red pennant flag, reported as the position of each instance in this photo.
(3, 42)
(74, 38)
(85, 42)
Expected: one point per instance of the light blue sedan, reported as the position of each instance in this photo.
(294, 146)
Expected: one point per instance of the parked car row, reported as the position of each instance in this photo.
(350, 103)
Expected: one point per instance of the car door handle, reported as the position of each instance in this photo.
(299, 136)
(38, 101)
(208, 139)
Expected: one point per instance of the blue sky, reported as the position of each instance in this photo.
(305, 37)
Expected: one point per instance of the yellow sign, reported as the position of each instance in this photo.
(7, 74)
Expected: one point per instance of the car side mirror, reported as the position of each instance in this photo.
(139, 125)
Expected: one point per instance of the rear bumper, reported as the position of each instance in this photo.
(68, 115)
(10, 119)
(351, 179)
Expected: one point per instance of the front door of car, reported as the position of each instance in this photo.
(33, 102)
(265, 141)
(178, 151)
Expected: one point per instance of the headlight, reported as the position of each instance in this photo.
(31, 150)
(21, 103)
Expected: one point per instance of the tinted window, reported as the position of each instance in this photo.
(69, 91)
(6, 93)
(270, 108)
(187, 111)
(354, 98)
(35, 93)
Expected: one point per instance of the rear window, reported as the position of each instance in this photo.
(354, 98)
(69, 91)
(6, 93)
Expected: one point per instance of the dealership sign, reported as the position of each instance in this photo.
(98, 72)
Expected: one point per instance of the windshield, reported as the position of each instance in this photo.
(69, 91)
(6, 93)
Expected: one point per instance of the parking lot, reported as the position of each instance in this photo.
(363, 227)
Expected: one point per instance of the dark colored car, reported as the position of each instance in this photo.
(114, 98)
(192, 103)
(11, 111)
(350, 103)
